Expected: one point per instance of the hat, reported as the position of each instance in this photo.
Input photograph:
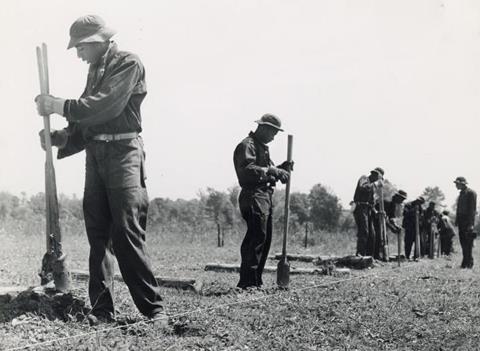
(401, 193)
(379, 171)
(270, 120)
(89, 29)
(421, 199)
(460, 180)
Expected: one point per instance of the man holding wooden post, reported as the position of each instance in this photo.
(364, 213)
(387, 212)
(257, 176)
(106, 122)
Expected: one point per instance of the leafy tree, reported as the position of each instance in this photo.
(325, 208)
(220, 208)
(300, 209)
(434, 194)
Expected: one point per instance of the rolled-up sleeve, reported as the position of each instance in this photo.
(245, 165)
(110, 100)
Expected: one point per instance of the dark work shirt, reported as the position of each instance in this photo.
(466, 207)
(409, 214)
(251, 159)
(391, 208)
(110, 103)
(364, 191)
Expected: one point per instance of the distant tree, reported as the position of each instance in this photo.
(233, 193)
(220, 209)
(434, 194)
(300, 206)
(300, 209)
(325, 208)
(8, 204)
(388, 189)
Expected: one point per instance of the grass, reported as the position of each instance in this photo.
(429, 305)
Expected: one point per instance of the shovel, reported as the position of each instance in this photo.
(283, 268)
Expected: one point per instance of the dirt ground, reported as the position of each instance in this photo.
(426, 305)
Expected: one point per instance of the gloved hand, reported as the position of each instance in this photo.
(287, 166)
(279, 174)
(59, 138)
(48, 104)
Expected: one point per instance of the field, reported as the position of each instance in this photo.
(426, 305)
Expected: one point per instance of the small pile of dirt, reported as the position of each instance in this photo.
(47, 303)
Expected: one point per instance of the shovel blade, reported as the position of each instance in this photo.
(283, 273)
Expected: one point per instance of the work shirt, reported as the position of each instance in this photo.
(364, 191)
(251, 159)
(409, 215)
(392, 211)
(110, 103)
(446, 227)
(466, 207)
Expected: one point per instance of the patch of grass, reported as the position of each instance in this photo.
(429, 305)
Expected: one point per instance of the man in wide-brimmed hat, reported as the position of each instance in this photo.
(364, 213)
(257, 176)
(106, 122)
(465, 219)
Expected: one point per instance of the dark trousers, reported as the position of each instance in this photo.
(364, 218)
(256, 209)
(409, 240)
(466, 242)
(446, 243)
(115, 208)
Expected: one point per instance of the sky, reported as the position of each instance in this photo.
(358, 83)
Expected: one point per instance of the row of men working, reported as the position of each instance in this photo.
(421, 226)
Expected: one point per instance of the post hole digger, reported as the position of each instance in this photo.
(53, 263)
(384, 252)
(283, 268)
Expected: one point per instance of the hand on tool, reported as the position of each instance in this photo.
(287, 166)
(59, 138)
(48, 104)
(279, 174)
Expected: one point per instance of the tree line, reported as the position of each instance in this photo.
(211, 209)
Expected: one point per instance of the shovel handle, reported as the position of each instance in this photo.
(287, 198)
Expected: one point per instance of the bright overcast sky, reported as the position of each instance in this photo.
(358, 83)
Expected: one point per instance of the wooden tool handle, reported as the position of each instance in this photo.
(287, 198)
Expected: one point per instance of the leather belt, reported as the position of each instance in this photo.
(114, 137)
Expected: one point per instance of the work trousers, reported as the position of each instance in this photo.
(364, 218)
(409, 240)
(466, 242)
(115, 208)
(256, 209)
(446, 241)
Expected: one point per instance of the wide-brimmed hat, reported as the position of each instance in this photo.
(460, 180)
(89, 29)
(420, 199)
(378, 170)
(270, 120)
(401, 193)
